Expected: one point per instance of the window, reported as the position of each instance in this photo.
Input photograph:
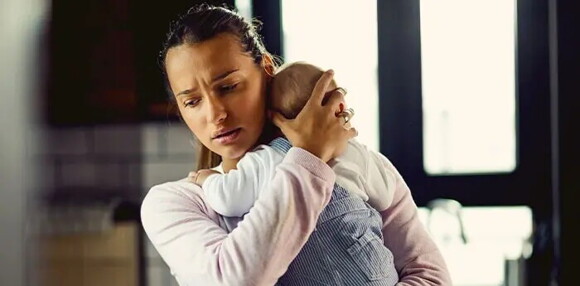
(468, 84)
(244, 7)
(339, 35)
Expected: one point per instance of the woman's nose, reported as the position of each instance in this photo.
(217, 111)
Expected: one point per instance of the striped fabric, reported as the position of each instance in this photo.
(346, 248)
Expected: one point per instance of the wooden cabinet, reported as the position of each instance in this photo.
(105, 258)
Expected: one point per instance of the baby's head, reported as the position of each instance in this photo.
(292, 86)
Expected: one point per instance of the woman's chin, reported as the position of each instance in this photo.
(233, 152)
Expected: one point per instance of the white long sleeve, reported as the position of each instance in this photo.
(187, 234)
(233, 194)
(358, 172)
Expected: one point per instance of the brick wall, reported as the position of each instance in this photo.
(126, 160)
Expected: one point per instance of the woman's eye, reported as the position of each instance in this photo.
(191, 102)
(228, 88)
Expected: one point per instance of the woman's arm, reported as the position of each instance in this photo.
(417, 258)
(185, 231)
(259, 250)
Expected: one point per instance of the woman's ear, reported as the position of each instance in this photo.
(268, 64)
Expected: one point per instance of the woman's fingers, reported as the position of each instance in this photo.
(335, 101)
(352, 132)
(318, 128)
(341, 90)
(320, 88)
(343, 132)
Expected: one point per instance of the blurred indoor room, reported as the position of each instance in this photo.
(474, 101)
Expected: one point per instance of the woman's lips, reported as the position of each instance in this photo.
(228, 137)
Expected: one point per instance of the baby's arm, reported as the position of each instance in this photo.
(185, 230)
(234, 193)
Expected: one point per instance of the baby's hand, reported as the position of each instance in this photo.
(200, 176)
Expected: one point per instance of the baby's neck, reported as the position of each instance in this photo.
(270, 133)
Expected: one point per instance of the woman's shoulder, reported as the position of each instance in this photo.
(180, 187)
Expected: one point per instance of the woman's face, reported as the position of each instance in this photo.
(220, 92)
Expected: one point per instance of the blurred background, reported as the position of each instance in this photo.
(474, 101)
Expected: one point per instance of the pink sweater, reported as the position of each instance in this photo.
(189, 237)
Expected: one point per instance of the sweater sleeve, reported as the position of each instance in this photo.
(186, 234)
(417, 259)
(234, 193)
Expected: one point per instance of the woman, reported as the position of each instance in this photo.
(217, 69)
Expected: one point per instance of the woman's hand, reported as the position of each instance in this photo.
(317, 129)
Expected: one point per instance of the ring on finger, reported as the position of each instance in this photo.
(347, 115)
(346, 119)
(347, 112)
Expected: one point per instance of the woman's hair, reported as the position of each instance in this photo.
(203, 22)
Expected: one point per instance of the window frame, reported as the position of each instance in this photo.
(401, 125)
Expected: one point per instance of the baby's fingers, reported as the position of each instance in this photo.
(192, 176)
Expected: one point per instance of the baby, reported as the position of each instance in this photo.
(346, 247)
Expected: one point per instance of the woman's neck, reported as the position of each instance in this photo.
(229, 164)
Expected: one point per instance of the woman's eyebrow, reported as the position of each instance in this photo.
(223, 75)
(187, 91)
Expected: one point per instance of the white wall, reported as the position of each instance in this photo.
(21, 23)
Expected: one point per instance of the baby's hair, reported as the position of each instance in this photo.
(292, 86)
